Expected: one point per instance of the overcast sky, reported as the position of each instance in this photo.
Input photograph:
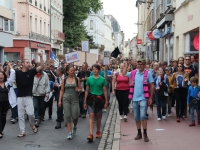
(126, 14)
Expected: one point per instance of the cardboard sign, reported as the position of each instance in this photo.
(106, 61)
(72, 57)
(50, 62)
(61, 57)
(85, 46)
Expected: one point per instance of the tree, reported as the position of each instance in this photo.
(75, 12)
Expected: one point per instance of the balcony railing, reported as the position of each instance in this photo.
(159, 12)
(59, 37)
(39, 37)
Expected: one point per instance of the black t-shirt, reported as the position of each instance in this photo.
(83, 74)
(190, 70)
(24, 82)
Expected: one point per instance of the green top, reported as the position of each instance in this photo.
(96, 85)
(101, 73)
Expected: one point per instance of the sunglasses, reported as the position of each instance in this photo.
(187, 59)
(180, 66)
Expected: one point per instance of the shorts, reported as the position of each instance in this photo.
(140, 110)
(93, 110)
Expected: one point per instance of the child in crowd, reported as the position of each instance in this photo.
(192, 100)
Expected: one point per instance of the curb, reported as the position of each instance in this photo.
(111, 133)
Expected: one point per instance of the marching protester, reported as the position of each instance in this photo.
(141, 95)
(83, 76)
(7, 95)
(40, 91)
(69, 98)
(192, 100)
(180, 80)
(24, 81)
(95, 100)
(57, 87)
(122, 90)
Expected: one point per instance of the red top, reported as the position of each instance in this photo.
(122, 82)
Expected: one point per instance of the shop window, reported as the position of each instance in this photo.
(194, 42)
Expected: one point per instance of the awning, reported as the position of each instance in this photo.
(168, 17)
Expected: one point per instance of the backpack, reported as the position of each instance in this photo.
(180, 80)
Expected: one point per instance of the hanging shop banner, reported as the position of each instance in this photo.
(196, 42)
(150, 36)
(139, 41)
(157, 34)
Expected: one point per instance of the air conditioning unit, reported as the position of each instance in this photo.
(169, 3)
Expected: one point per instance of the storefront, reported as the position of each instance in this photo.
(25, 49)
(187, 26)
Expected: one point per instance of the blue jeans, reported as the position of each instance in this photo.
(161, 104)
(140, 110)
(38, 103)
(192, 108)
(15, 112)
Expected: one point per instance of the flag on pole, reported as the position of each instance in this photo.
(53, 57)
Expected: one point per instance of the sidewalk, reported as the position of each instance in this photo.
(163, 135)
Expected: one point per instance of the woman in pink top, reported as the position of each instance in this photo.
(122, 90)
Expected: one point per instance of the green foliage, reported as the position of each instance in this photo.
(75, 12)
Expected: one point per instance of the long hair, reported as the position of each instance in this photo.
(5, 77)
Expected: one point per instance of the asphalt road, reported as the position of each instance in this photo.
(49, 138)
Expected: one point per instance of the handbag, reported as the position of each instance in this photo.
(95, 101)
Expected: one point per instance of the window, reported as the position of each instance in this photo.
(44, 28)
(6, 25)
(91, 24)
(35, 25)
(31, 23)
(40, 26)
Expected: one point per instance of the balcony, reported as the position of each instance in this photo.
(159, 12)
(59, 37)
(39, 37)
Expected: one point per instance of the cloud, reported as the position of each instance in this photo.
(126, 14)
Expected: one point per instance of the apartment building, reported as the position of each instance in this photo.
(6, 15)
(31, 30)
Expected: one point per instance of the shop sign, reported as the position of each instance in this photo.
(139, 41)
(189, 17)
(150, 36)
(41, 45)
(157, 34)
(196, 42)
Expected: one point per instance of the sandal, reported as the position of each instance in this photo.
(35, 130)
(21, 135)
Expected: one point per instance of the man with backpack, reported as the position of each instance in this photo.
(141, 93)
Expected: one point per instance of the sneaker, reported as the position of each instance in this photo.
(83, 116)
(13, 121)
(104, 110)
(36, 123)
(146, 139)
(98, 134)
(178, 120)
(192, 124)
(90, 138)
(168, 115)
(159, 119)
(139, 136)
(125, 118)
(198, 122)
(69, 137)
(163, 117)
(121, 117)
(74, 130)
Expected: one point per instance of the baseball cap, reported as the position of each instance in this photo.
(141, 60)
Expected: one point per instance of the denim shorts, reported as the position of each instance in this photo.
(140, 110)
(93, 110)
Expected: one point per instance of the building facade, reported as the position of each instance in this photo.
(187, 27)
(6, 15)
(31, 30)
(57, 35)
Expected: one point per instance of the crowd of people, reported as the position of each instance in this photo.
(30, 89)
